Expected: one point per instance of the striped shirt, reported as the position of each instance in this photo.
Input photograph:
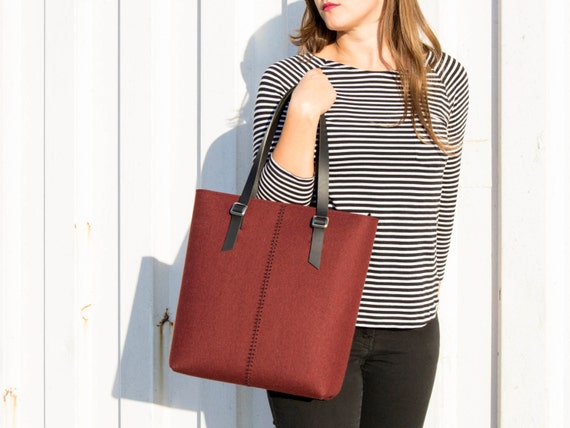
(379, 167)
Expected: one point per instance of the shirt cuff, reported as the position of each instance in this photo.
(279, 185)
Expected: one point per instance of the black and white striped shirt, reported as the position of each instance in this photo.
(379, 166)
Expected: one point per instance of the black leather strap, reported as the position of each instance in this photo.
(320, 220)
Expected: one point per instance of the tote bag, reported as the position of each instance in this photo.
(270, 291)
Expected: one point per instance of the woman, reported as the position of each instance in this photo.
(396, 108)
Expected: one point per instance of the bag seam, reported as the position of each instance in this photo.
(262, 295)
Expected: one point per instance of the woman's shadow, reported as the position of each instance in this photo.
(144, 379)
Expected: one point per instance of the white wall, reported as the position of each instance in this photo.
(534, 218)
(114, 111)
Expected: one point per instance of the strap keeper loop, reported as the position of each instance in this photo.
(320, 222)
(238, 209)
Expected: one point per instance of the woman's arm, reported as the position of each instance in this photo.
(312, 97)
(458, 91)
(288, 174)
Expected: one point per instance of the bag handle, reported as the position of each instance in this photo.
(320, 220)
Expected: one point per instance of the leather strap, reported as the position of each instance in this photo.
(320, 220)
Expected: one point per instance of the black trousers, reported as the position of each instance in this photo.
(388, 384)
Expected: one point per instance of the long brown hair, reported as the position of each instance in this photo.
(402, 27)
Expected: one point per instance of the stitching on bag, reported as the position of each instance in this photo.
(263, 294)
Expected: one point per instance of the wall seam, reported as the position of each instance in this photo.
(44, 218)
(119, 243)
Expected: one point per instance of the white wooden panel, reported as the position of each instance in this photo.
(159, 170)
(81, 76)
(21, 213)
(135, 373)
(534, 215)
(466, 380)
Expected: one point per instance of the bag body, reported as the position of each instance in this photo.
(261, 315)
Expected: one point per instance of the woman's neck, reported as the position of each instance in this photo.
(363, 53)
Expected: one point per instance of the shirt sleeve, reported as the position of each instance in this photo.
(458, 95)
(276, 183)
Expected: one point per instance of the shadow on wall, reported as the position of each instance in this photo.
(143, 374)
(220, 171)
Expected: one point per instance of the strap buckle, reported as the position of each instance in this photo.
(238, 209)
(320, 222)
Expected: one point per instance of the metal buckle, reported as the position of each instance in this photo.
(238, 209)
(320, 222)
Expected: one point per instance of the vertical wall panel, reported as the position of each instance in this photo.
(159, 171)
(21, 214)
(81, 212)
(134, 375)
(61, 312)
(534, 215)
(565, 225)
(466, 379)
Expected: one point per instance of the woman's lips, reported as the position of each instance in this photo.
(329, 6)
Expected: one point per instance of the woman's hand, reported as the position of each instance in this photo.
(312, 97)
(314, 94)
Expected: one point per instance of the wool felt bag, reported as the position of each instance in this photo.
(270, 291)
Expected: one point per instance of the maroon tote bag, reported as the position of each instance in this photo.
(270, 291)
